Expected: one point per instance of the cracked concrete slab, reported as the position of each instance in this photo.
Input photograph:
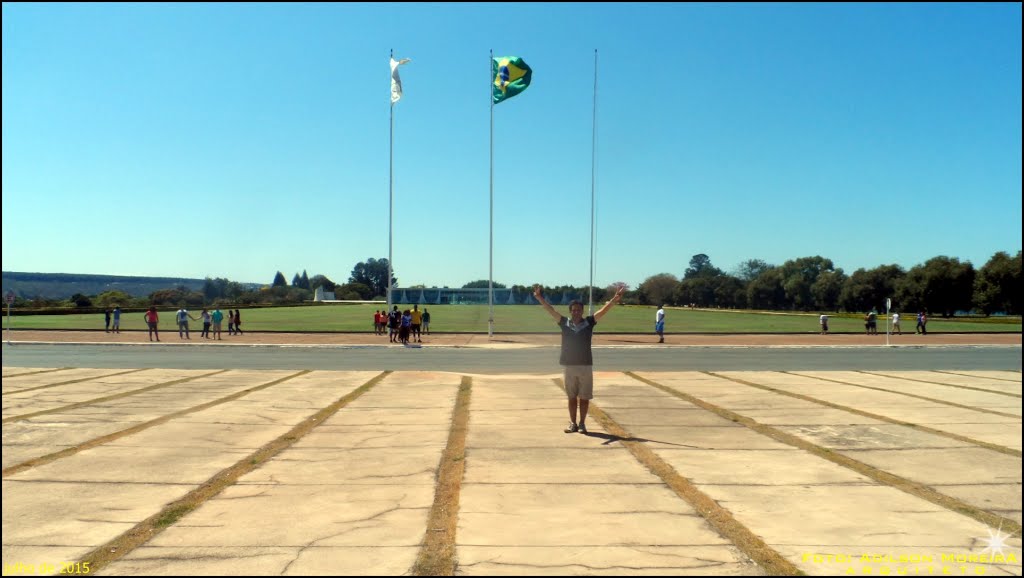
(353, 496)
(867, 437)
(52, 522)
(360, 560)
(603, 561)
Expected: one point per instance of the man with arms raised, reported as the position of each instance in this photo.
(576, 358)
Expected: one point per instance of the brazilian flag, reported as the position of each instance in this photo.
(511, 76)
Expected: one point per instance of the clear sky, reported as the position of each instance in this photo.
(239, 140)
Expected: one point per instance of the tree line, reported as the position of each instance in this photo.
(942, 285)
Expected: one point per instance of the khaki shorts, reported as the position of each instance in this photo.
(579, 381)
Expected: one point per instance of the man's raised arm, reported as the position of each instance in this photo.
(544, 303)
(610, 303)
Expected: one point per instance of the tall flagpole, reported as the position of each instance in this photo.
(593, 187)
(490, 277)
(391, 190)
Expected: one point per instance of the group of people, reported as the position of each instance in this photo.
(112, 316)
(212, 322)
(402, 326)
(871, 323)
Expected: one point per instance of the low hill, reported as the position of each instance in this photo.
(64, 285)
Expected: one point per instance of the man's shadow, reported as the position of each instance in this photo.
(610, 439)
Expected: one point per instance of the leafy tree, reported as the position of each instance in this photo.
(730, 292)
(657, 289)
(751, 269)
(353, 292)
(222, 290)
(374, 274)
(80, 300)
(700, 266)
(826, 290)
(482, 284)
(942, 284)
(798, 276)
(867, 289)
(765, 291)
(279, 280)
(112, 298)
(997, 286)
(176, 297)
(322, 281)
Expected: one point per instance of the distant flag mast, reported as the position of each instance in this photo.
(396, 95)
(510, 75)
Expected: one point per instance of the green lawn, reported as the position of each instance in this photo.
(524, 319)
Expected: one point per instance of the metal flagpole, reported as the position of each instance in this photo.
(888, 330)
(593, 187)
(391, 190)
(490, 274)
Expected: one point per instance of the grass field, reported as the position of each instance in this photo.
(526, 319)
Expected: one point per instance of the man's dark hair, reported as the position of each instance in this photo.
(575, 302)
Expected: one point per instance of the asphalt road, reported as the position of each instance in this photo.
(528, 360)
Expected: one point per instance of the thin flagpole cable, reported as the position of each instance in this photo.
(490, 273)
(593, 190)
(391, 191)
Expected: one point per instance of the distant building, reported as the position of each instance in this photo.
(449, 296)
(321, 295)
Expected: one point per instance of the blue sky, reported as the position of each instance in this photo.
(239, 140)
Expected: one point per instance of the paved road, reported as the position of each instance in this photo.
(524, 360)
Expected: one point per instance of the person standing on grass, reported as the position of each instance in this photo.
(577, 357)
(238, 321)
(106, 318)
(896, 323)
(182, 317)
(659, 324)
(217, 318)
(823, 320)
(117, 319)
(426, 321)
(152, 319)
(394, 322)
(207, 320)
(417, 321)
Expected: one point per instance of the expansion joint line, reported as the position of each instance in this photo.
(37, 372)
(70, 381)
(911, 487)
(981, 389)
(437, 552)
(154, 525)
(860, 412)
(773, 563)
(913, 395)
(111, 397)
(989, 377)
(41, 460)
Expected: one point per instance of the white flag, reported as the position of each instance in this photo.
(396, 82)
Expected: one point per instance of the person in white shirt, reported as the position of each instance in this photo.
(659, 324)
(182, 317)
(896, 324)
(824, 324)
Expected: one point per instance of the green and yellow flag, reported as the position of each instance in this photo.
(511, 76)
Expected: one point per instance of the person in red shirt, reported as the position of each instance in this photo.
(151, 321)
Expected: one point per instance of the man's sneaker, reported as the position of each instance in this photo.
(582, 429)
(572, 428)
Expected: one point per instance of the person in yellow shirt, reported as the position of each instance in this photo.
(417, 320)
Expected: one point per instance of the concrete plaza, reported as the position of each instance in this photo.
(237, 472)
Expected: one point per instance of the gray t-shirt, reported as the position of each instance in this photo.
(576, 341)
